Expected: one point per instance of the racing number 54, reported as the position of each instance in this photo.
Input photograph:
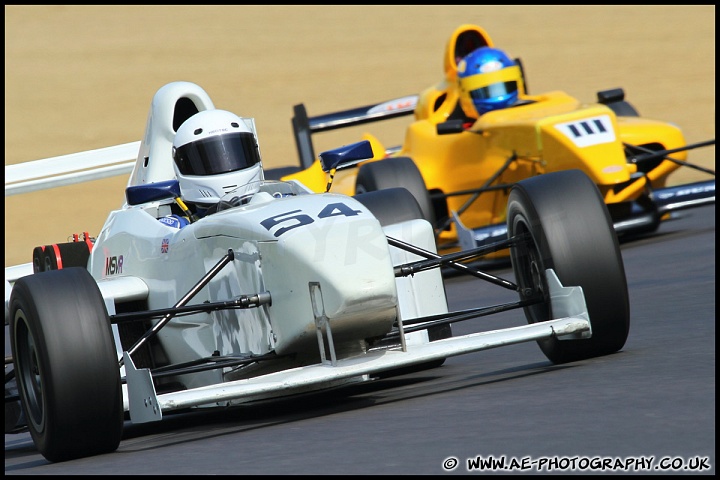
(298, 219)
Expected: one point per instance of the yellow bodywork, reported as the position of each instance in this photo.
(542, 133)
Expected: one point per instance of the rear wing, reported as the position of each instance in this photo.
(304, 126)
(70, 169)
(465, 38)
(120, 159)
(60, 171)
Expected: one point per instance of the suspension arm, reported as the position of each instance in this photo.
(229, 257)
(241, 302)
(457, 266)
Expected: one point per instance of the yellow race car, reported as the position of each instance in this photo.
(460, 169)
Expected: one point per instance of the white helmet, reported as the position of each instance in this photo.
(215, 153)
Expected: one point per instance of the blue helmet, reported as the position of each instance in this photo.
(488, 80)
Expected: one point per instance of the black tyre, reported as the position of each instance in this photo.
(66, 365)
(391, 205)
(396, 172)
(571, 232)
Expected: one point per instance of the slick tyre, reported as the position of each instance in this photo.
(66, 365)
(391, 205)
(396, 172)
(571, 232)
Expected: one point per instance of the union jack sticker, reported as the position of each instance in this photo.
(165, 245)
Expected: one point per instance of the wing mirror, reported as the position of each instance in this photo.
(449, 127)
(345, 156)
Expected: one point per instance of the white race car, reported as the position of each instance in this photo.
(288, 291)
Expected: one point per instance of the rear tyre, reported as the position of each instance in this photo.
(571, 232)
(396, 172)
(66, 365)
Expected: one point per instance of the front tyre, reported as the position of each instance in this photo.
(396, 172)
(571, 232)
(66, 366)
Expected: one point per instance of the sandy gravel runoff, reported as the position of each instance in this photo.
(82, 77)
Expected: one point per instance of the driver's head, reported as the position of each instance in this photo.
(488, 80)
(215, 152)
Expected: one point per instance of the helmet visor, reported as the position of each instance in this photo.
(496, 90)
(220, 154)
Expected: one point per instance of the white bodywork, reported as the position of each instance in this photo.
(323, 260)
(345, 255)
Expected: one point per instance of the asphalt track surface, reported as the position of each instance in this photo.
(654, 401)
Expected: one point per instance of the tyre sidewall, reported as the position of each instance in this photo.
(82, 395)
(396, 172)
(573, 234)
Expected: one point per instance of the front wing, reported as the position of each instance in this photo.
(145, 405)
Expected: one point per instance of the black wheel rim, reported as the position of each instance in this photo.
(529, 269)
